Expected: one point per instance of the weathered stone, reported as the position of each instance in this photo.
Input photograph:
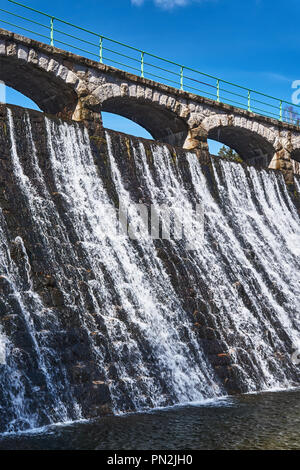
(2, 47)
(43, 61)
(72, 79)
(74, 87)
(22, 52)
(33, 57)
(11, 49)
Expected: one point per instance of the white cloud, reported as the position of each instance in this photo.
(171, 3)
(166, 4)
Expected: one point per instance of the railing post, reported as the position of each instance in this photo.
(52, 31)
(280, 110)
(249, 100)
(218, 90)
(181, 78)
(101, 50)
(142, 64)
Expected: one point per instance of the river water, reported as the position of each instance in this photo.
(268, 420)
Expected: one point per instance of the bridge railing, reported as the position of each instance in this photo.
(95, 46)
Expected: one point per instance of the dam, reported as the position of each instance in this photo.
(95, 323)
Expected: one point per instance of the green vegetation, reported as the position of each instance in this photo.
(229, 154)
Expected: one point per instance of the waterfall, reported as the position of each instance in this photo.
(95, 321)
(141, 312)
(276, 247)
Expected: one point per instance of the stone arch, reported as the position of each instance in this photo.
(251, 140)
(156, 111)
(38, 77)
(162, 123)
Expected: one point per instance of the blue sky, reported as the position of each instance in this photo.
(254, 43)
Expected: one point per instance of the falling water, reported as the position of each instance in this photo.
(148, 340)
(240, 224)
(90, 318)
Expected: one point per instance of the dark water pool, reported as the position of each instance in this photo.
(262, 421)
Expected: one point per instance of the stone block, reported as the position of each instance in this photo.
(22, 52)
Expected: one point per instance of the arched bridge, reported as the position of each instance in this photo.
(73, 87)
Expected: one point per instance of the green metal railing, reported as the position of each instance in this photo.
(111, 52)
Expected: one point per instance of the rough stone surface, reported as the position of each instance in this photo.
(73, 87)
